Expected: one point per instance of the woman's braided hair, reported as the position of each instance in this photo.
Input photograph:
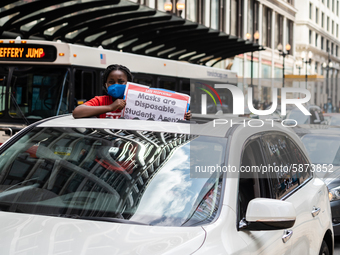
(115, 67)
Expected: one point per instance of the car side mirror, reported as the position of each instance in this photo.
(269, 214)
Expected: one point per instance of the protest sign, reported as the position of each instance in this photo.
(144, 102)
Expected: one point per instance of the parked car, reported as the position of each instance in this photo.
(332, 118)
(323, 146)
(79, 186)
(316, 116)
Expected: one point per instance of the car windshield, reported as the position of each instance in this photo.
(100, 174)
(323, 149)
(298, 115)
(335, 120)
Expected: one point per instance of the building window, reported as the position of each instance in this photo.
(316, 15)
(316, 67)
(290, 33)
(337, 8)
(214, 14)
(327, 45)
(322, 19)
(333, 6)
(336, 50)
(332, 48)
(328, 24)
(266, 27)
(321, 41)
(327, 3)
(278, 29)
(290, 2)
(236, 15)
(337, 30)
(332, 27)
(310, 11)
(191, 9)
(253, 17)
(316, 39)
(310, 36)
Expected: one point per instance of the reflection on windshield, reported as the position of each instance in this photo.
(139, 176)
(3, 79)
(298, 115)
(335, 121)
(38, 92)
(323, 149)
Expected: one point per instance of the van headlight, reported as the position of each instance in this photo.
(334, 194)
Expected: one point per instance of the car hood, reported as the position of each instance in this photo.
(332, 176)
(41, 235)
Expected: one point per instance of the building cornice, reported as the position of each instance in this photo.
(317, 29)
(279, 6)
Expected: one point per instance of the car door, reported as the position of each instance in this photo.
(294, 183)
(311, 205)
(256, 185)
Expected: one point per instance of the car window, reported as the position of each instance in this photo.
(286, 162)
(252, 183)
(136, 176)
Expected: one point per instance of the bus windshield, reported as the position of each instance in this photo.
(3, 77)
(38, 92)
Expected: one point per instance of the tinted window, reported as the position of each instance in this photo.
(167, 83)
(251, 184)
(284, 160)
(84, 85)
(299, 158)
(143, 79)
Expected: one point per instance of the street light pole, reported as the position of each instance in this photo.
(283, 54)
(256, 37)
(299, 66)
(307, 59)
(328, 66)
(251, 76)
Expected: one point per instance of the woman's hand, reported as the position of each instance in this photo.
(188, 115)
(118, 104)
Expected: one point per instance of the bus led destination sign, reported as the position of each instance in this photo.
(28, 52)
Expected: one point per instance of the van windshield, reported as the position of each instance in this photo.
(131, 176)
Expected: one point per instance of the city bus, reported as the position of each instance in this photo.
(40, 79)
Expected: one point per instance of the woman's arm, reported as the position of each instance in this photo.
(83, 111)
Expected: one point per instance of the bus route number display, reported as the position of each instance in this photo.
(28, 52)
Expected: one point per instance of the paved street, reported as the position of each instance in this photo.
(337, 246)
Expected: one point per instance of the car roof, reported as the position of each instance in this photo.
(208, 128)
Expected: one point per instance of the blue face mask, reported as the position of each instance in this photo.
(116, 90)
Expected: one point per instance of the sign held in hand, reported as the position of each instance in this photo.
(144, 102)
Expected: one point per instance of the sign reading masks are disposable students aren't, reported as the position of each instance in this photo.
(144, 102)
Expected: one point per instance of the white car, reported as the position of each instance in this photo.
(103, 186)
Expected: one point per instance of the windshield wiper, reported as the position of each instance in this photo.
(107, 219)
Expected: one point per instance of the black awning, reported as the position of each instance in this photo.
(119, 25)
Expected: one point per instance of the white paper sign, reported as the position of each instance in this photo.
(144, 103)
